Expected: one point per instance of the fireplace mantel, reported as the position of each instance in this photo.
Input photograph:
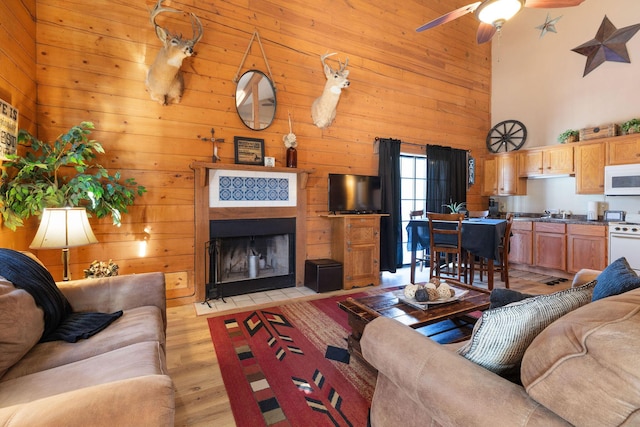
(204, 213)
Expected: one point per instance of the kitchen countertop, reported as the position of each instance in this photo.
(571, 219)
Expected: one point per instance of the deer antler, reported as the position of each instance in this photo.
(164, 79)
(323, 60)
(162, 32)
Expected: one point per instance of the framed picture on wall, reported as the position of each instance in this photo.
(249, 151)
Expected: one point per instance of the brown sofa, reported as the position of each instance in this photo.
(581, 370)
(117, 377)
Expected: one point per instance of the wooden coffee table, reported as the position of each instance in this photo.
(363, 310)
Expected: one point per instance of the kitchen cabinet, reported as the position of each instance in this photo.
(521, 244)
(550, 245)
(355, 242)
(586, 247)
(490, 177)
(557, 160)
(590, 161)
(501, 176)
(623, 150)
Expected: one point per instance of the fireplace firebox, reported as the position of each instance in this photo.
(250, 255)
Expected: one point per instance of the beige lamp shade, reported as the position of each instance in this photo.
(62, 228)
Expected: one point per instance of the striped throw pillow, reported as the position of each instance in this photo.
(501, 335)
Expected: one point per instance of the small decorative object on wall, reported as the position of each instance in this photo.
(508, 135)
(548, 26)
(568, 135)
(164, 79)
(323, 109)
(609, 44)
(8, 130)
(472, 171)
(249, 151)
(291, 142)
(215, 158)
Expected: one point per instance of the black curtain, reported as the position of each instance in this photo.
(390, 226)
(446, 177)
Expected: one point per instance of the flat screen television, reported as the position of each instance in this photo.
(354, 193)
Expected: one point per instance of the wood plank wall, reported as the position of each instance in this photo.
(18, 80)
(92, 57)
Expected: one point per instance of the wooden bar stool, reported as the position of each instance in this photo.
(445, 237)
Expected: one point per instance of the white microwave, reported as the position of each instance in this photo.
(622, 180)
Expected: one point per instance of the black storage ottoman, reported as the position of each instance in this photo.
(323, 275)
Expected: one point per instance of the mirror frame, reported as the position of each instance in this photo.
(258, 83)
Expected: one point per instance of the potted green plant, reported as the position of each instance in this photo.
(631, 126)
(62, 173)
(455, 207)
(568, 135)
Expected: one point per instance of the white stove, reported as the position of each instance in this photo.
(624, 241)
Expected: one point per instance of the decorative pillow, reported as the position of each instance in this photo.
(616, 279)
(500, 297)
(501, 336)
(21, 324)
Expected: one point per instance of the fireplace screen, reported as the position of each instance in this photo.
(251, 255)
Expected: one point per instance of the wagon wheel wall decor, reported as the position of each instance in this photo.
(509, 135)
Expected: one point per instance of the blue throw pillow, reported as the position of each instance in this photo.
(616, 279)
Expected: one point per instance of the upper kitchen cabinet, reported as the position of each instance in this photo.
(590, 160)
(623, 150)
(501, 176)
(557, 160)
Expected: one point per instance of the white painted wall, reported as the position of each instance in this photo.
(540, 82)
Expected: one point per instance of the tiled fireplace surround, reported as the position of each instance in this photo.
(226, 192)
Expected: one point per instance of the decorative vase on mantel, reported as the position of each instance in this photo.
(292, 157)
(291, 142)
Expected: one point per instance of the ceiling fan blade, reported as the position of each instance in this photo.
(485, 32)
(552, 3)
(450, 16)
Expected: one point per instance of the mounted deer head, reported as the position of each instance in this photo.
(323, 109)
(164, 79)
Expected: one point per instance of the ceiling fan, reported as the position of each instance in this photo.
(492, 14)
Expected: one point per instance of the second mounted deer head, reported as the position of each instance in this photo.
(164, 79)
(323, 109)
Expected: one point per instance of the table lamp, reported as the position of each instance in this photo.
(63, 228)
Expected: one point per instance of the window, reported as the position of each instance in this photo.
(413, 176)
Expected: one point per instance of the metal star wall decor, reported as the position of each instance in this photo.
(610, 44)
(549, 25)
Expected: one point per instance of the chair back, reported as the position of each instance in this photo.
(442, 227)
(506, 239)
(416, 214)
(445, 237)
(478, 214)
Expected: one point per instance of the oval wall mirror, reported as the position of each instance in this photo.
(256, 100)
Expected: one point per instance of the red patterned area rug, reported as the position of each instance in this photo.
(289, 366)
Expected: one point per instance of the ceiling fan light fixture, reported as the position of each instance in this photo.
(496, 12)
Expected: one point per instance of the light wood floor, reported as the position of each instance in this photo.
(201, 399)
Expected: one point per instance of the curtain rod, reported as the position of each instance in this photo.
(415, 144)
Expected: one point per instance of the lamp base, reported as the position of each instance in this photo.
(65, 265)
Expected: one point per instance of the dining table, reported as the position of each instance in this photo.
(480, 237)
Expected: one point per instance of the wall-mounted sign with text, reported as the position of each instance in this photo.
(8, 129)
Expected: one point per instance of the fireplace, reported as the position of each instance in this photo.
(227, 193)
(250, 255)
